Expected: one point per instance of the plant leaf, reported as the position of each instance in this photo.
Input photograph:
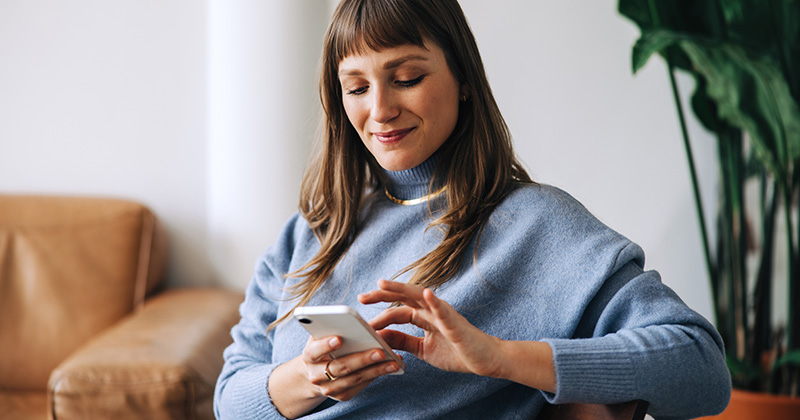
(660, 41)
(749, 22)
(690, 17)
(742, 373)
(791, 357)
(752, 94)
(704, 107)
(649, 43)
(788, 30)
(748, 90)
(637, 11)
(771, 26)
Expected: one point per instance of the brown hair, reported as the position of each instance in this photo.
(476, 163)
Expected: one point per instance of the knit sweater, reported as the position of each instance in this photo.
(544, 269)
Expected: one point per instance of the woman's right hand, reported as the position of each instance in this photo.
(351, 373)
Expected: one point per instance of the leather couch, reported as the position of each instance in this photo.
(86, 331)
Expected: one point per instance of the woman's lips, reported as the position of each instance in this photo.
(387, 137)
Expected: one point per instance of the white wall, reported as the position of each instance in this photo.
(201, 110)
(204, 111)
(263, 113)
(561, 73)
(108, 98)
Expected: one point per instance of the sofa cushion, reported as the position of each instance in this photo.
(30, 405)
(160, 363)
(69, 268)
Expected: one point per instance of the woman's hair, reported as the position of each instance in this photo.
(476, 163)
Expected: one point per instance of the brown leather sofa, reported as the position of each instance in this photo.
(85, 330)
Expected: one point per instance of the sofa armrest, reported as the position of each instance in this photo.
(161, 362)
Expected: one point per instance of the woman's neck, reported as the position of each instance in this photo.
(411, 184)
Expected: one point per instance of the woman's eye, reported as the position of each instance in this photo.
(356, 91)
(409, 83)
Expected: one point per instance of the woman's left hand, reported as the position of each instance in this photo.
(450, 341)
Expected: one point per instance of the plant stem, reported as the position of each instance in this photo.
(690, 159)
(788, 199)
(792, 375)
(784, 53)
(654, 13)
(730, 256)
(695, 184)
(731, 138)
(762, 300)
(793, 292)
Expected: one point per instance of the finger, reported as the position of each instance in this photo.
(395, 292)
(317, 350)
(447, 316)
(411, 294)
(346, 387)
(401, 341)
(439, 308)
(347, 394)
(398, 315)
(376, 296)
(346, 365)
(402, 315)
(447, 320)
(412, 290)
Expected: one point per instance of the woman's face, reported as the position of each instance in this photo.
(403, 101)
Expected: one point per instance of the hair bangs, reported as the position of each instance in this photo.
(374, 25)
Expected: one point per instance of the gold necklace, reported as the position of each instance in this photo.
(412, 201)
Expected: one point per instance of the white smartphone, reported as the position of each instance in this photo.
(345, 322)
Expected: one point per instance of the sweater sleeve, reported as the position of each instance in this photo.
(241, 391)
(638, 340)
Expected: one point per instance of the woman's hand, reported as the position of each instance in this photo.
(348, 374)
(301, 384)
(450, 342)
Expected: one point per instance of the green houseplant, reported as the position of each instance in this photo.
(744, 56)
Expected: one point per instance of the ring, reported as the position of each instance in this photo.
(328, 373)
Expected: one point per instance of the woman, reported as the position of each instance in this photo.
(511, 294)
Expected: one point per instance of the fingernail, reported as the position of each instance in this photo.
(334, 341)
(377, 356)
(391, 368)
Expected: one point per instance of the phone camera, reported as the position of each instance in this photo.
(304, 320)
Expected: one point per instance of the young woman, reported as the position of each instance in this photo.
(506, 293)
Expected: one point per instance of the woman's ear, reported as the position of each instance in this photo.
(464, 97)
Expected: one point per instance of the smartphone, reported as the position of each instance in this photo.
(345, 322)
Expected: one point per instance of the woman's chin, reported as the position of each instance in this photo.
(399, 163)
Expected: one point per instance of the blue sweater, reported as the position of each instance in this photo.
(546, 269)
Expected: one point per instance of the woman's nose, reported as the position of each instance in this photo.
(384, 105)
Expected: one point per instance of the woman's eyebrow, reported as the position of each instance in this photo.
(398, 61)
(391, 64)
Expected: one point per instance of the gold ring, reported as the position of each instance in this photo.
(328, 373)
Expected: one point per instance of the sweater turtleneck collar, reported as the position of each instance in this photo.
(411, 183)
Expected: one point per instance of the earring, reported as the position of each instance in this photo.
(463, 97)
